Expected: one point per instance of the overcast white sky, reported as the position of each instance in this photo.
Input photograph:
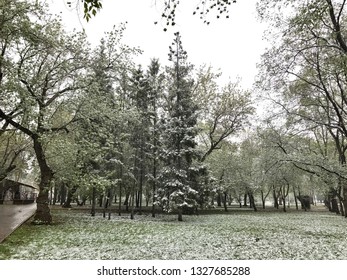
(233, 45)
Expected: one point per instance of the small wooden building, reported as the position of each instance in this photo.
(13, 192)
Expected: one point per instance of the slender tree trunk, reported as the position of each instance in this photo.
(127, 201)
(154, 185)
(132, 203)
(344, 201)
(101, 200)
(110, 199)
(120, 183)
(141, 175)
(225, 201)
(343, 196)
(62, 194)
(240, 201)
(180, 215)
(92, 212)
(295, 199)
(70, 194)
(335, 206)
(55, 196)
(120, 199)
(219, 199)
(230, 200)
(342, 208)
(284, 203)
(245, 200)
(252, 202)
(275, 197)
(285, 192)
(51, 195)
(262, 199)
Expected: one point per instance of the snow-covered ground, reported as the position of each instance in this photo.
(237, 235)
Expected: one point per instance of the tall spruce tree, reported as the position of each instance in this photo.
(178, 176)
(155, 78)
(140, 91)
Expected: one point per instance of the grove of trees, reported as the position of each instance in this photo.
(89, 125)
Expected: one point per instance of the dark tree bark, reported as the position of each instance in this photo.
(180, 215)
(275, 197)
(71, 192)
(43, 213)
(264, 196)
(225, 201)
(92, 212)
(245, 199)
(126, 201)
(219, 199)
(252, 201)
(295, 199)
(335, 206)
(120, 199)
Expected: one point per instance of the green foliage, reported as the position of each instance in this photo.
(100, 123)
(90, 8)
(169, 10)
(306, 69)
(179, 176)
(224, 112)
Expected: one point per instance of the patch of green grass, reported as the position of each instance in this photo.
(234, 235)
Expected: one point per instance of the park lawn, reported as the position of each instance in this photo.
(237, 235)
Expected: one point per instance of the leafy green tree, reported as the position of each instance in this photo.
(41, 75)
(221, 167)
(223, 111)
(155, 79)
(307, 67)
(14, 152)
(140, 96)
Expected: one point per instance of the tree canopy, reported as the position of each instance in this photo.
(86, 123)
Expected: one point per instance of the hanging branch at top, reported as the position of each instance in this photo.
(204, 8)
(90, 8)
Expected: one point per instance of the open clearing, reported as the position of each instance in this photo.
(237, 234)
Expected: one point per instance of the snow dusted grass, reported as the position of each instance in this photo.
(236, 235)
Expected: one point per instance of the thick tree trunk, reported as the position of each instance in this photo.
(43, 213)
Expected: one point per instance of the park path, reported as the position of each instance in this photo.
(12, 216)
